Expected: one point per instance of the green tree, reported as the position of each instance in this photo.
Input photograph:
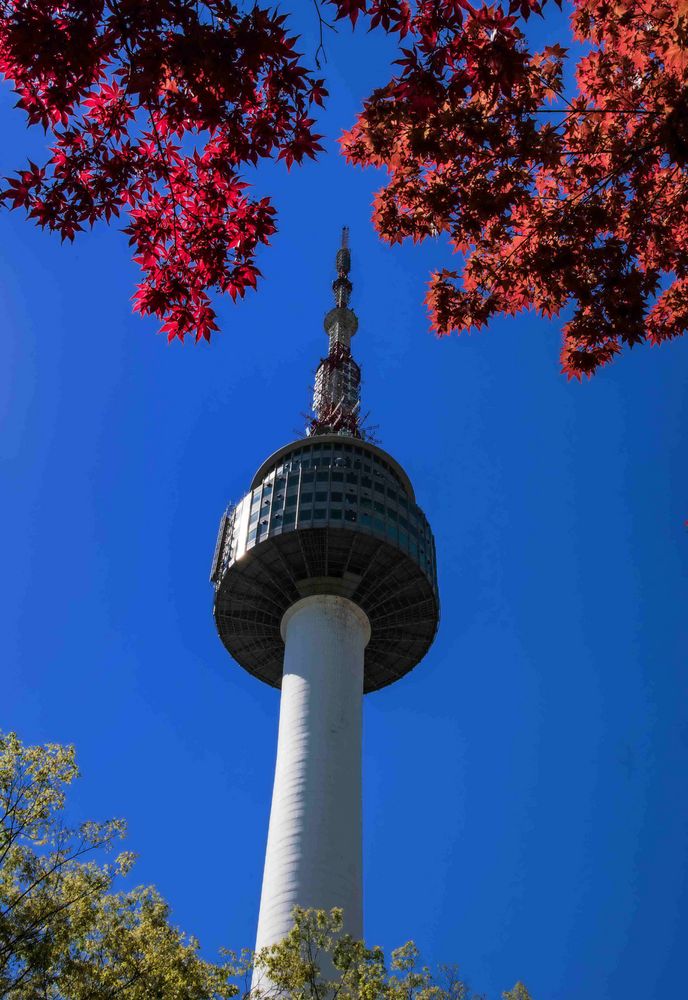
(64, 932)
(316, 962)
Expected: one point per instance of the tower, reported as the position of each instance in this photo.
(326, 587)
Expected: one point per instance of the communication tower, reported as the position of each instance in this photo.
(326, 587)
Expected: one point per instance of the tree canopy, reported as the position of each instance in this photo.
(64, 932)
(67, 934)
(559, 179)
(316, 962)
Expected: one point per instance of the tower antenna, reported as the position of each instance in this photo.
(337, 391)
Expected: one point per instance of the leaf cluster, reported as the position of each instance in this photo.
(64, 932)
(560, 201)
(317, 961)
(152, 107)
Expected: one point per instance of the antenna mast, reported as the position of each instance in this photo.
(337, 392)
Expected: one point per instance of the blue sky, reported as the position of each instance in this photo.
(525, 804)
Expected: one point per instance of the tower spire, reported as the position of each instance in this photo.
(337, 391)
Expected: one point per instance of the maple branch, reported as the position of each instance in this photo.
(166, 169)
(563, 203)
(322, 23)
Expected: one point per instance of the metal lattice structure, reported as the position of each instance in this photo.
(337, 391)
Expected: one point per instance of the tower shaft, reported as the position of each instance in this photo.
(314, 850)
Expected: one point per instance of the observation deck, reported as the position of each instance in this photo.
(328, 514)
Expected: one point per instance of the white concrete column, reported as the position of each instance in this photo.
(314, 850)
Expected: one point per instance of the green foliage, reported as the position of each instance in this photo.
(63, 932)
(315, 961)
